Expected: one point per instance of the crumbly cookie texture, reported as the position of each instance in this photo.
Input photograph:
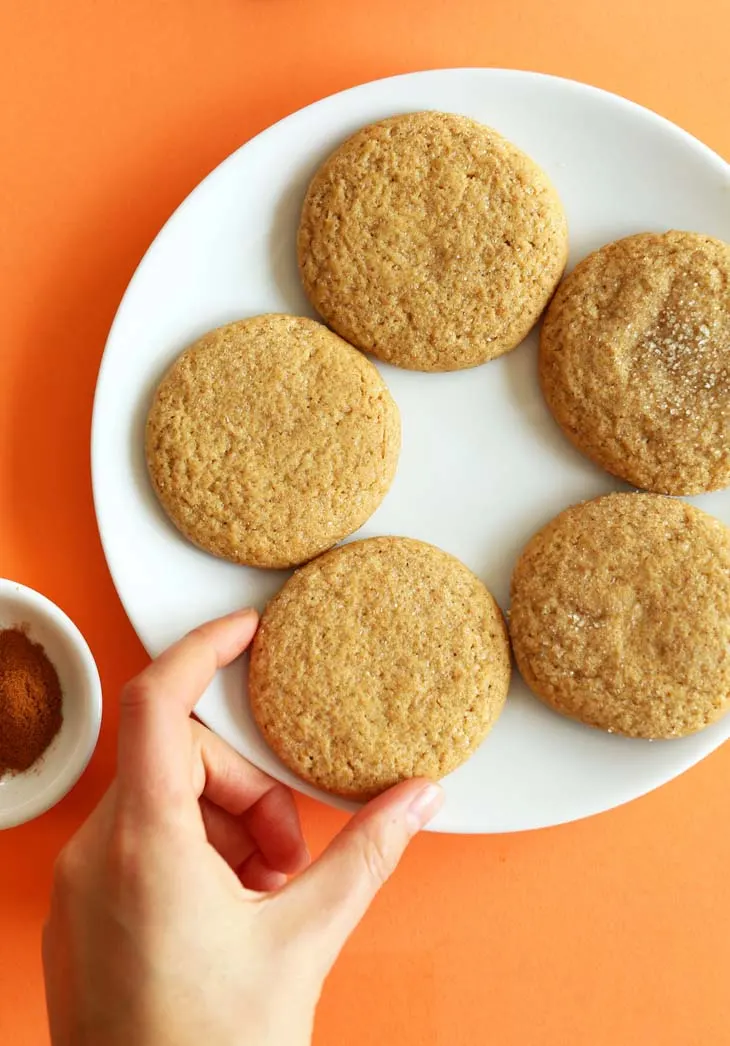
(621, 615)
(382, 660)
(271, 439)
(635, 360)
(431, 241)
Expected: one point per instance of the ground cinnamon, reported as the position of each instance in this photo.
(30, 701)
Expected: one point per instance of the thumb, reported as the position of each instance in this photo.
(332, 896)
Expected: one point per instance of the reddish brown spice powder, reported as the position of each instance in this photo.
(30, 701)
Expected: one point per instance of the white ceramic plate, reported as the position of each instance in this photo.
(482, 466)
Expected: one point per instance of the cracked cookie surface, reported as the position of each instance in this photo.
(271, 439)
(431, 241)
(635, 360)
(620, 615)
(382, 660)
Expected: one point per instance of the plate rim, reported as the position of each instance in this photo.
(666, 125)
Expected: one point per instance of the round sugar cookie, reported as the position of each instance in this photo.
(620, 615)
(271, 439)
(431, 241)
(635, 360)
(382, 660)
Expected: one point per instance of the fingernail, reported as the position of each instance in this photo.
(425, 806)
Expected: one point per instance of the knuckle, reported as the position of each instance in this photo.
(375, 855)
(135, 693)
(67, 869)
(119, 859)
(124, 866)
(199, 636)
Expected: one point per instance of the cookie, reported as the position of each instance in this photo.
(431, 241)
(382, 660)
(271, 439)
(635, 360)
(620, 615)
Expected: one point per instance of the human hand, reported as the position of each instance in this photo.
(172, 919)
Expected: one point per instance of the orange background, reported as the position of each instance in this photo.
(610, 932)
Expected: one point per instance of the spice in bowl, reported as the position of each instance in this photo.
(30, 701)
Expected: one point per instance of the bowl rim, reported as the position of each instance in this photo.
(69, 774)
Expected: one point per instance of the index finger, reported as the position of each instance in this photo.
(154, 748)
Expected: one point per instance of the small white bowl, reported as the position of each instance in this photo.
(25, 795)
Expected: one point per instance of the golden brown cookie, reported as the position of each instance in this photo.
(431, 241)
(635, 360)
(271, 439)
(382, 660)
(621, 615)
